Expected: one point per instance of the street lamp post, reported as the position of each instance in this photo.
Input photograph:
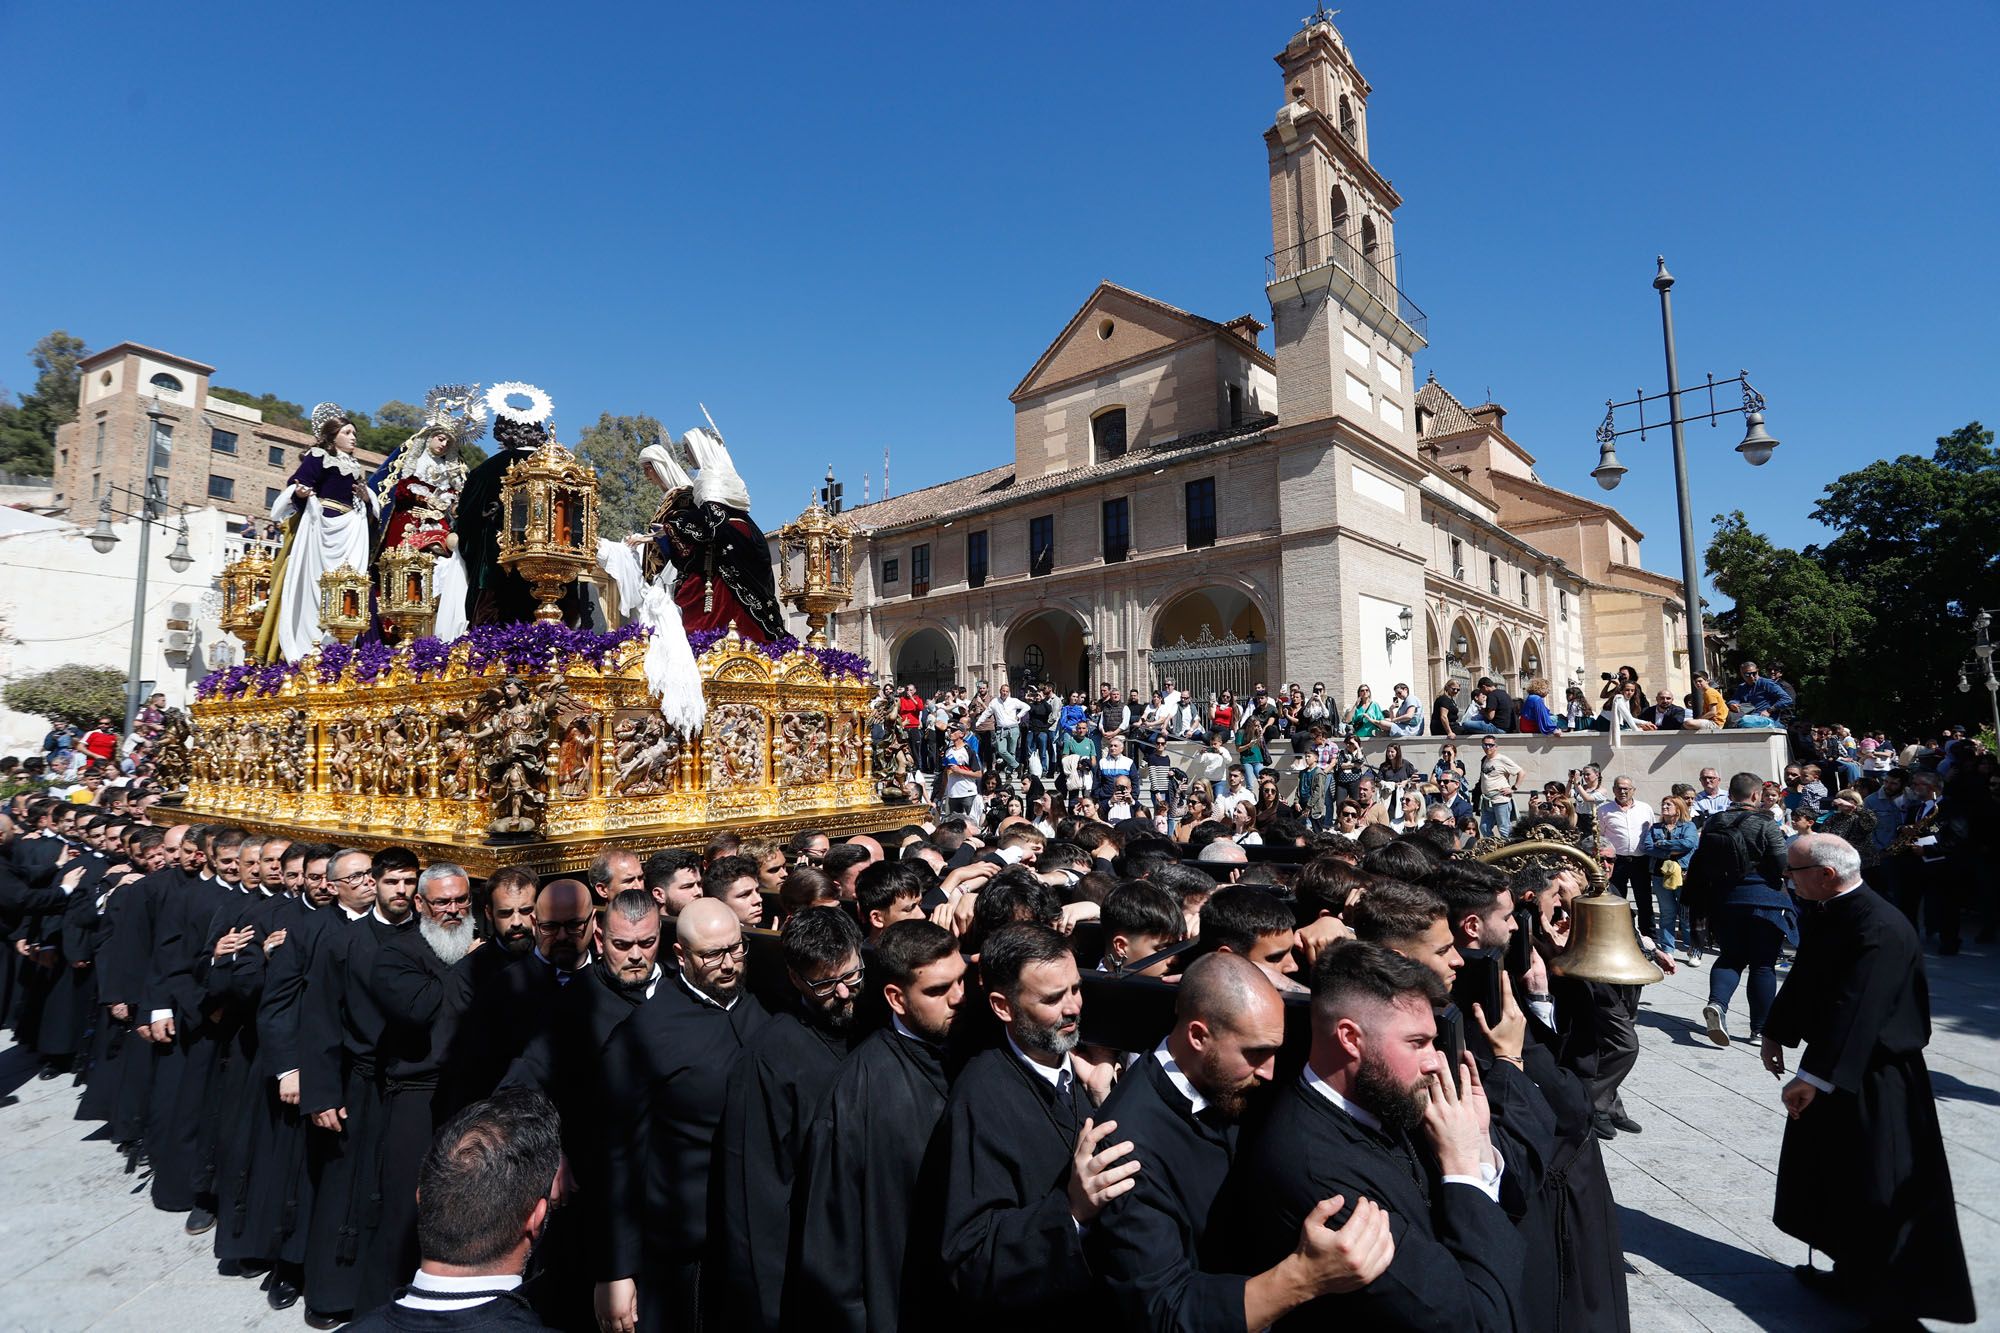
(1756, 450)
(152, 507)
(1982, 649)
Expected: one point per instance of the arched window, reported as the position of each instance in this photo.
(1340, 218)
(1347, 125)
(1368, 240)
(1107, 435)
(167, 383)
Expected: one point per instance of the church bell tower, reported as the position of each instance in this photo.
(1345, 333)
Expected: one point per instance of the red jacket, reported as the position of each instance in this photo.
(911, 710)
(100, 744)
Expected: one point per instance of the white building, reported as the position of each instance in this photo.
(62, 603)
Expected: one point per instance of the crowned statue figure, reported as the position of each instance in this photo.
(418, 489)
(329, 514)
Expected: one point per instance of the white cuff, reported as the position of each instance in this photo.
(288, 1073)
(1810, 1081)
(1544, 1010)
(161, 1015)
(1487, 1182)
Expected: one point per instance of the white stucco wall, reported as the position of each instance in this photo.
(61, 602)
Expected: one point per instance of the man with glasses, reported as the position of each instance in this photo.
(1450, 798)
(665, 1073)
(768, 1104)
(1862, 1174)
(1498, 776)
(1754, 702)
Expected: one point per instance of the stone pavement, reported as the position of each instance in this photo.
(82, 1248)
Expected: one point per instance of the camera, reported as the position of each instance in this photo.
(1604, 675)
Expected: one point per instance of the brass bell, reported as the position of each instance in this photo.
(1604, 944)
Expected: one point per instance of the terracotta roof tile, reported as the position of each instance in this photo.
(1443, 413)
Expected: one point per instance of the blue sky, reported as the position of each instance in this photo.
(850, 229)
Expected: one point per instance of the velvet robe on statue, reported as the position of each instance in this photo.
(725, 571)
(1862, 1174)
(494, 594)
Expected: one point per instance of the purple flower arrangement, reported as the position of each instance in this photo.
(529, 649)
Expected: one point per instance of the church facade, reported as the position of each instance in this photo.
(1183, 504)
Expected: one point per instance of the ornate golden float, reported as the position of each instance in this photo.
(490, 768)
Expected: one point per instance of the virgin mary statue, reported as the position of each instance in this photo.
(328, 512)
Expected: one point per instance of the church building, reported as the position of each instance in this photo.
(1182, 504)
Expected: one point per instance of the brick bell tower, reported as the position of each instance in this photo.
(1345, 334)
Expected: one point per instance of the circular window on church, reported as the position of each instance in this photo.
(1104, 329)
(1032, 661)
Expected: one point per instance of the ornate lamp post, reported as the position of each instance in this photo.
(820, 541)
(550, 536)
(407, 599)
(343, 603)
(246, 589)
(1756, 450)
(1982, 650)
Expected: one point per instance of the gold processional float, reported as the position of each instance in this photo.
(531, 745)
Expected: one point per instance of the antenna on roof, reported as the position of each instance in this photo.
(885, 472)
(864, 488)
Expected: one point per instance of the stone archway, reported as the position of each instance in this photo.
(1462, 655)
(1500, 659)
(928, 660)
(1532, 665)
(1209, 639)
(1048, 647)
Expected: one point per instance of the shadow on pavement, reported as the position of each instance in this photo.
(1755, 1286)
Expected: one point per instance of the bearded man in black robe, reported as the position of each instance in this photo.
(1862, 1174)
(862, 1223)
(665, 1071)
(770, 1101)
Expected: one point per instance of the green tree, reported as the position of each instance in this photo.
(28, 428)
(1879, 617)
(74, 693)
(1788, 607)
(399, 415)
(626, 498)
(278, 411)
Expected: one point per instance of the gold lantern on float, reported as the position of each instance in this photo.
(819, 542)
(246, 589)
(343, 603)
(407, 599)
(549, 537)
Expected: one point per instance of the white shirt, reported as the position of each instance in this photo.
(1005, 712)
(958, 786)
(1168, 1066)
(1058, 1077)
(1711, 803)
(1488, 1180)
(1620, 828)
(1226, 801)
(434, 1291)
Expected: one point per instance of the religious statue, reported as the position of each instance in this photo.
(171, 768)
(328, 512)
(511, 731)
(456, 761)
(494, 594)
(342, 755)
(579, 747)
(703, 530)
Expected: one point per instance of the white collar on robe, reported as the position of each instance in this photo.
(335, 461)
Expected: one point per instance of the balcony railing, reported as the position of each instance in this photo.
(1372, 273)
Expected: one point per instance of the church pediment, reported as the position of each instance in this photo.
(1114, 328)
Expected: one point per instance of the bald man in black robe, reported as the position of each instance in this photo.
(1862, 1174)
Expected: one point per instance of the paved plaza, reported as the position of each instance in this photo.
(82, 1248)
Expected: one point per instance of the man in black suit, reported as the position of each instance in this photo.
(1154, 1248)
(484, 1190)
(665, 1070)
(1027, 1163)
(1375, 1076)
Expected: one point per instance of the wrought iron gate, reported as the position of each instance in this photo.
(1210, 665)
